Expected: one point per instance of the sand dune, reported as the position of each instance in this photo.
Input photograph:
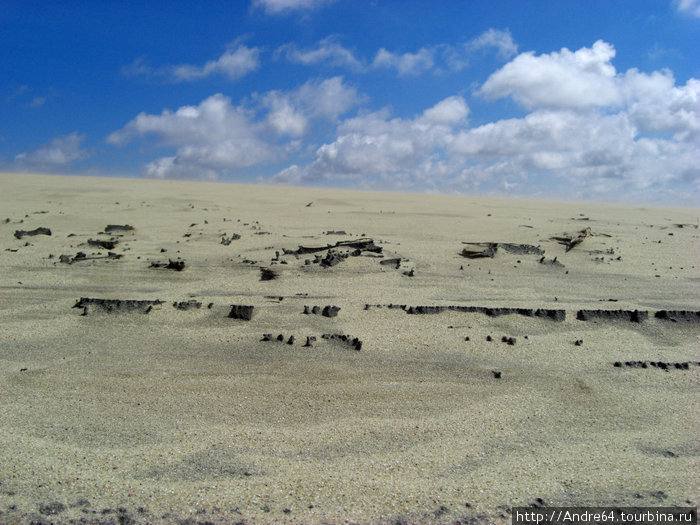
(217, 353)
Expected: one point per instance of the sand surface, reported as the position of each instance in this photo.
(150, 413)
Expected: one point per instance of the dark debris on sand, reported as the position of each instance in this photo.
(38, 231)
(116, 305)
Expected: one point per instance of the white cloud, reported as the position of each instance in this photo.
(501, 40)
(291, 112)
(397, 152)
(406, 63)
(564, 79)
(275, 7)
(327, 51)
(236, 62)
(691, 7)
(216, 137)
(56, 154)
(210, 137)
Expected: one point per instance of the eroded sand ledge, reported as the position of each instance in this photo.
(167, 402)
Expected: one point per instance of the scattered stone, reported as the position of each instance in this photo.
(578, 342)
(227, 240)
(309, 341)
(291, 340)
(332, 258)
(661, 365)
(496, 374)
(239, 311)
(363, 244)
(510, 340)
(489, 338)
(396, 262)
(480, 250)
(38, 231)
(352, 341)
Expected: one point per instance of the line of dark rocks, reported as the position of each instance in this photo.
(178, 266)
(634, 316)
(241, 311)
(661, 365)
(354, 342)
(116, 305)
(326, 311)
(82, 256)
(555, 315)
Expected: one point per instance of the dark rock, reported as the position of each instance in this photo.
(227, 240)
(480, 250)
(38, 231)
(291, 340)
(306, 310)
(634, 316)
(316, 310)
(489, 338)
(267, 275)
(330, 311)
(240, 311)
(578, 342)
(266, 337)
(391, 262)
(332, 258)
(572, 241)
(118, 228)
(116, 305)
(496, 374)
(178, 266)
(363, 245)
(678, 315)
(309, 341)
(187, 305)
(107, 245)
(280, 338)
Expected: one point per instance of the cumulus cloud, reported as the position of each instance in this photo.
(276, 7)
(236, 62)
(691, 7)
(394, 151)
(290, 112)
(563, 79)
(210, 137)
(56, 154)
(590, 132)
(328, 51)
(217, 137)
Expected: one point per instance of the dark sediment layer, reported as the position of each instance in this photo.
(679, 315)
(480, 250)
(633, 316)
(38, 231)
(178, 266)
(555, 315)
(240, 311)
(118, 228)
(364, 244)
(107, 245)
(82, 256)
(187, 305)
(116, 305)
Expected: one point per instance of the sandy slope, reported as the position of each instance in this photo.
(179, 414)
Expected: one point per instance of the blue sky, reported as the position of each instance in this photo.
(591, 100)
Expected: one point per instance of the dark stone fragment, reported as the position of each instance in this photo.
(38, 231)
(316, 310)
(617, 364)
(306, 310)
(330, 311)
(266, 337)
(107, 245)
(240, 311)
(496, 374)
(331, 259)
(118, 228)
(267, 275)
(488, 338)
(187, 305)
(291, 340)
(280, 337)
